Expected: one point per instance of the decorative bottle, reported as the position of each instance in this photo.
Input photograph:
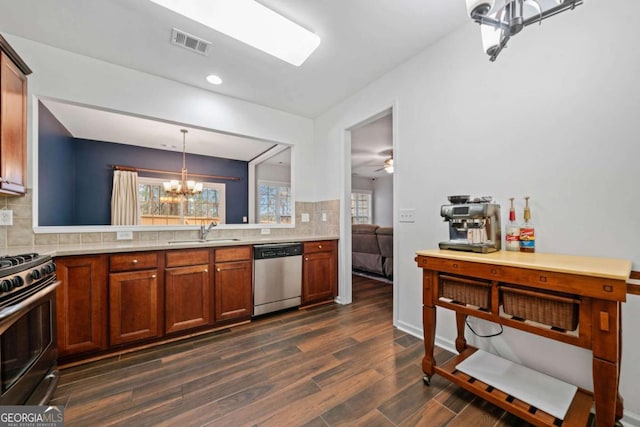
(527, 232)
(512, 231)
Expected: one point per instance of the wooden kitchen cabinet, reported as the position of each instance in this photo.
(13, 121)
(233, 283)
(319, 271)
(81, 304)
(188, 289)
(135, 298)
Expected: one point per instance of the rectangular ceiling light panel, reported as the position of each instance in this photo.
(251, 23)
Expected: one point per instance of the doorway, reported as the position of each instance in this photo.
(369, 148)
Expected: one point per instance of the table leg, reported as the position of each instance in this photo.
(606, 357)
(429, 326)
(461, 342)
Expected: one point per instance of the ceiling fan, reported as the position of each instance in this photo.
(388, 164)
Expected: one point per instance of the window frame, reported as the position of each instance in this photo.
(279, 184)
(369, 195)
(181, 217)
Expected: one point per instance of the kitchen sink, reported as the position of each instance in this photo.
(218, 240)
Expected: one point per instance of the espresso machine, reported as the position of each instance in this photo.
(474, 225)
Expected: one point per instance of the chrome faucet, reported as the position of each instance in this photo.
(204, 231)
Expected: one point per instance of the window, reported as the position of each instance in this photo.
(158, 209)
(274, 203)
(361, 207)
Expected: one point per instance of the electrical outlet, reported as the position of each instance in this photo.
(304, 217)
(244, 219)
(6, 217)
(407, 215)
(124, 235)
(265, 231)
(324, 216)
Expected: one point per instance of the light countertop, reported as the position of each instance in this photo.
(138, 245)
(609, 268)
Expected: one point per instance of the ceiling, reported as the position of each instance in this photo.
(361, 41)
(108, 126)
(371, 145)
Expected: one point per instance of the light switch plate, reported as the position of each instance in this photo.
(124, 235)
(304, 217)
(324, 216)
(407, 215)
(265, 231)
(6, 217)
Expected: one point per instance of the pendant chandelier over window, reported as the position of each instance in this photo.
(184, 187)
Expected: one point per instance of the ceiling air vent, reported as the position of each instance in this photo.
(187, 41)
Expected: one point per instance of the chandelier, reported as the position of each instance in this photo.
(176, 189)
(501, 19)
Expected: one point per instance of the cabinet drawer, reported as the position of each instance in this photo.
(236, 253)
(553, 309)
(320, 246)
(465, 291)
(485, 271)
(186, 257)
(133, 261)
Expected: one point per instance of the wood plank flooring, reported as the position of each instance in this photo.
(330, 365)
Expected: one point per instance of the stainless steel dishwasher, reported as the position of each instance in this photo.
(277, 277)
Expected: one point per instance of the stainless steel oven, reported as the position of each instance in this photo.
(28, 345)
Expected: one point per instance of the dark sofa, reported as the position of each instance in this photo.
(372, 249)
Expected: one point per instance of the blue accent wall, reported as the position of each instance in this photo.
(90, 168)
(56, 172)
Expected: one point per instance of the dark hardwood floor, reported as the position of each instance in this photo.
(330, 365)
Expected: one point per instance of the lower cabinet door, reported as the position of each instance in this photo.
(188, 298)
(319, 277)
(233, 290)
(135, 310)
(81, 304)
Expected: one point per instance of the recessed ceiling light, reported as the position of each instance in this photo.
(251, 23)
(214, 80)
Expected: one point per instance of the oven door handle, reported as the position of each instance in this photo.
(9, 311)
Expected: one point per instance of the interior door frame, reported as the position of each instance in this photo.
(345, 291)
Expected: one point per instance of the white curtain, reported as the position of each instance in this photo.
(125, 209)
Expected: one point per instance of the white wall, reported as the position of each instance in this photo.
(383, 201)
(361, 183)
(67, 76)
(555, 118)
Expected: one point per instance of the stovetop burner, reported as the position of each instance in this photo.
(10, 261)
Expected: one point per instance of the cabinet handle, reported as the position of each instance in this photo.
(135, 261)
(306, 259)
(494, 271)
(206, 270)
(218, 269)
(319, 246)
(455, 265)
(543, 279)
(153, 276)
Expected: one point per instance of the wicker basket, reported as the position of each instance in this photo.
(466, 291)
(553, 309)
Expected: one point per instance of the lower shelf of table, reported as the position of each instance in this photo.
(577, 416)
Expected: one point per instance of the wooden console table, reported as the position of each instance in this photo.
(592, 289)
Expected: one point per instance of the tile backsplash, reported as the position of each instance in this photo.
(21, 232)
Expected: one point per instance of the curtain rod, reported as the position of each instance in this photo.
(133, 169)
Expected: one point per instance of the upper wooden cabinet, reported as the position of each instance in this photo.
(13, 121)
